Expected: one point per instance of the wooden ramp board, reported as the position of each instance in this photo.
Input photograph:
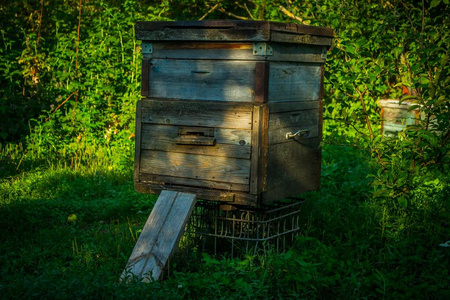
(160, 236)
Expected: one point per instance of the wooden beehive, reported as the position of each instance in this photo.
(231, 110)
(395, 116)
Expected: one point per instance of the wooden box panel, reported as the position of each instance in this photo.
(294, 81)
(257, 79)
(163, 162)
(293, 165)
(202, 80)
(251, 161)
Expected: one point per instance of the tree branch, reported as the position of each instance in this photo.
(209, 11)
(222, 10)
(289, 14)
(62, 103)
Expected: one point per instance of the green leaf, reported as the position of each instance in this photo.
(402, 202)
(434, 3)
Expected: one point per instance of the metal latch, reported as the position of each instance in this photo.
(147, 48)
(262, 49)
(300, 133)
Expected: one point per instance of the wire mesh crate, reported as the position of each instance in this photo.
(243, 229)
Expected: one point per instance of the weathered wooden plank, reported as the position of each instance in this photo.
(188, 34)
(169, 181)
(264, 147)
(293, 118)
(198, 113)
(145, 89)
(236, 51)
(256, 150)
(204, 194)
(277, 107)
(202, 80)
(229, 30)
(294, 82)
(259, 148)
(160, 236)
(229, 142)
(213, 168)
(261, 82)
(137, 142)
(296, 53)
(301, 29)
(282, 37)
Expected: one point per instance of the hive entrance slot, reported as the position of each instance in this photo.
(200, 136)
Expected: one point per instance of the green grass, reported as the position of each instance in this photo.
(349, 246)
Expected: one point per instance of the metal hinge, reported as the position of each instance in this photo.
(262, 49)
(324, 52)
(147, 48)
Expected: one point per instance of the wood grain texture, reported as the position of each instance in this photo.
(255, 186)
(204, 167)
(276, 107)
(236, 51)
(230, 30)
(198, 113)
(259, 149)
(169, 181)
(145, 89)
(204, 194)
(294, 82)
(229, 142)
(261, 82)
(307, 39)
(160, 235)
(202, 80)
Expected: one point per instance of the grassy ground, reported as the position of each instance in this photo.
(348, 247)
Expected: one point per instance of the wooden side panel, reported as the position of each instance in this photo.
(198, 113)
(230, 142)
(160, 235)
(202, 80)
(203, 167)
(294, 82)
(292, 169)
(293, 165)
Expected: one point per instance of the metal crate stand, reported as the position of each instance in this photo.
(243, 229)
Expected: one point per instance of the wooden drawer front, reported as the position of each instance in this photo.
(225, 164)
(202, 80)
(294, 82)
